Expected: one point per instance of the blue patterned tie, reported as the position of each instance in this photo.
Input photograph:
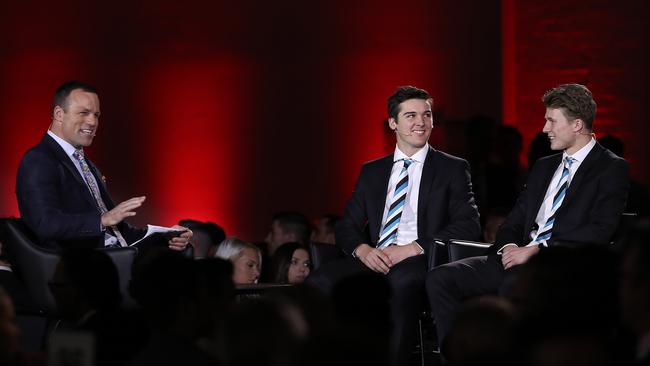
(545, 231)
(389, 232)
(92, 185)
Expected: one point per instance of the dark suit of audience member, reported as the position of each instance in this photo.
(635, 295)
(445, 209)
(589, 213)
(184, 301)
(61, 194)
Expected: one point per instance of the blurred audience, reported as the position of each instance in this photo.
(539, 147)
(493, 222)
(86, 289)
(504, 175)
(635, 292)
(291, 263)
(10, 354)
(287, 227)
(13, 286)
(206, 236)
(483, 333)
(567, 299)
(324, 229)
(639, 200)
(184, 301)
(246, 259)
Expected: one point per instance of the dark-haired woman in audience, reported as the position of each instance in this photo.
(246, 260)
(291, 263)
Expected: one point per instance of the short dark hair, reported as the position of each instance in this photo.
(402, 94)
(332, 220)
(575, 99)
(294, 222)
(63, 92)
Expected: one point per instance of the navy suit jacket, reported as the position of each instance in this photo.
(55, 202)
(446, 208)
(591, 209)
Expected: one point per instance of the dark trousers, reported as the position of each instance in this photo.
(406, 280)
(449, 285)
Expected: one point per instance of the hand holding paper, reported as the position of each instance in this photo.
(176, 236)
(180, 242)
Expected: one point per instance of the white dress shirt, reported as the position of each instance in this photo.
(407, 230)
(545, 209)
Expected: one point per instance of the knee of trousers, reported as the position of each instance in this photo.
(439, 279)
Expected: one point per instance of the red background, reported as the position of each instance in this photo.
(230, 111)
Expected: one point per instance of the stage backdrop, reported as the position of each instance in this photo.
(231, 111)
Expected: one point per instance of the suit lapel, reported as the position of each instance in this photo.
(547, 176)
(60, 154)
(428, 172)
(385, 169)
(583, 170)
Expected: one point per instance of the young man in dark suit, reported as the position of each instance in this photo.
(61, 194)
(573, 198)
(405, 200)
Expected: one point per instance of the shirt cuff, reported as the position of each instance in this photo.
(419, 247)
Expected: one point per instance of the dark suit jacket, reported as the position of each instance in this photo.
(446, 206)
(55, 202)
(591, 208)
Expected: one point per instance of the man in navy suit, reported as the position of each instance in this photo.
(573, 198)
(405, 200)
(61, 194)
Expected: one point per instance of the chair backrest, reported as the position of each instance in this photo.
(321, 253)
(123, 259)
(627, 221)
(459, 249)
(35, 265)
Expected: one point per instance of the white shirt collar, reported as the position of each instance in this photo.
(67, 147)
(581, 154)
(419, 156)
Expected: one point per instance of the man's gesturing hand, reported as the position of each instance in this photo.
(122, 211)
(373, 258)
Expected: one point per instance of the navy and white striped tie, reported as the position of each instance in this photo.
(389, 232)
(545, 231)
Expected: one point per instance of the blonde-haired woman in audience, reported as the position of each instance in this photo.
(246, 259)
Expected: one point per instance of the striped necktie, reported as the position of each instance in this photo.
(562, 186)
(389, 232)
(92, 185)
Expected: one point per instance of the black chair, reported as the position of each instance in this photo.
(35, 265)
(459, 249)
(321, 253)
(626, 222)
